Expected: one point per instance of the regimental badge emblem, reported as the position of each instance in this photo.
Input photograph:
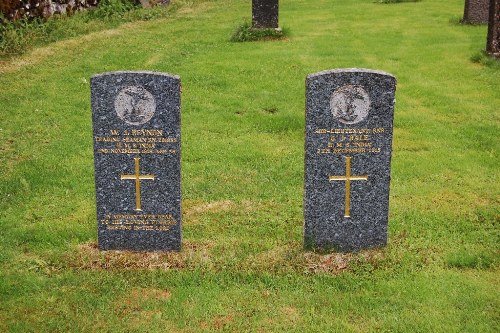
(350, 104)
(135, 105)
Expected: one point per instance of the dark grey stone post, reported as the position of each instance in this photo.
(265, 14)
(476, 11)
(493, 40)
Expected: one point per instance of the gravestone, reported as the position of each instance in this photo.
(348, 148)
(493, 40)
(265, 14)
(476, 11)
(136, 128)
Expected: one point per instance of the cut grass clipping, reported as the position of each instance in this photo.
(245, 33)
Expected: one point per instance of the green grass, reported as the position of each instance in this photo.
(22, 35)
(242, 268)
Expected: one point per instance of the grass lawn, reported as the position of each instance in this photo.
(243, 267)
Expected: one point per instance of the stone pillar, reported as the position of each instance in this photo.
(476, 11)
(493, 40)
(265, 14)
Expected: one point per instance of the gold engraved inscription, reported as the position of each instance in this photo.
(347, 178)
(137, 177)
(350, 140)
(144, 222)
(136, 141)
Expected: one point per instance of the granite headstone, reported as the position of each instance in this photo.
(476, 11)
(265, 14)
(136, 129)
(493, 40)
(348, 149)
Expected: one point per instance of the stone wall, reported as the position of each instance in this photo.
(59, 7)
(17, 9)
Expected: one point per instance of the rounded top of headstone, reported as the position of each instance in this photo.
(137, 72)
(349, 70)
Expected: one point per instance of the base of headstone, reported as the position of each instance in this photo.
(277, 30)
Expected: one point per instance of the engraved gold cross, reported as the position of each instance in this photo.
(347, 178)
(137, 177)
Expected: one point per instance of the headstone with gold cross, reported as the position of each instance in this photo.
(349, 126)
(136, 131)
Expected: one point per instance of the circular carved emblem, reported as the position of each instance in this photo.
(135, 105)
(350, 104)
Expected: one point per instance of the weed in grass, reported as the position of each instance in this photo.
(16, 36)
(485, 59)
(245, 33)
(111, 8)
(271, 109)
(456, 20)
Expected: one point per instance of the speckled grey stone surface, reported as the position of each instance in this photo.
(493, 39)
(136, 129)
(476, 11)
(349, 121)
(265, 14)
